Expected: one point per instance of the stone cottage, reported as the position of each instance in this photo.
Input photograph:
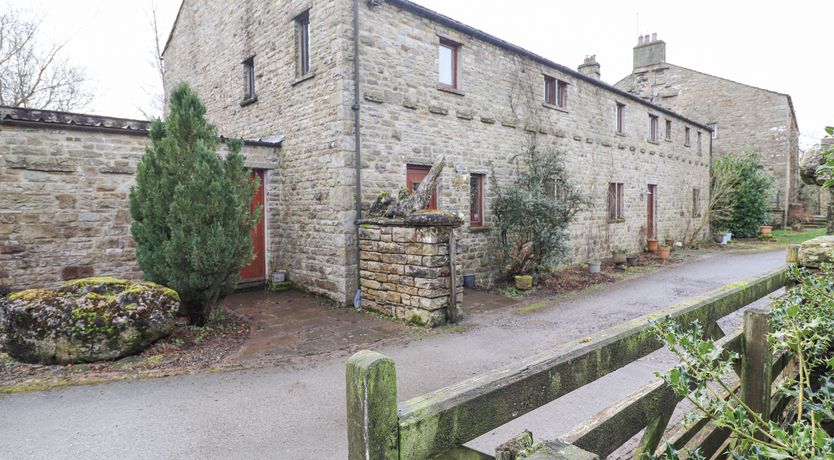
(741, 117)
(366, 109)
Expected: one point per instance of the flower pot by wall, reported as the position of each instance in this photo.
(594, 266)
(524, 282)
(766, 229)
(664, 252)
(652, 244)
(631, 261)
(619, 257)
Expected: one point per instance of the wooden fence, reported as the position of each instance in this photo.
(437, 424)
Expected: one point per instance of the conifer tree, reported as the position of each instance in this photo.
(190, 207)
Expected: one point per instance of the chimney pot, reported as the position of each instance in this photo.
(640, 40)
(654, 36)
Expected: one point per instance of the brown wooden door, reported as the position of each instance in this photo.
(650, 211)
(414, 176)
(256, 270)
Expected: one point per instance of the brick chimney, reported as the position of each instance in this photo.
(649, 51)
(590, 67)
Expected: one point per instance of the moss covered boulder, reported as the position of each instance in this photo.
(86, 320)
(817, 251)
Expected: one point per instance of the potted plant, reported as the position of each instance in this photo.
(766, 229)
(631, 261)
(652, 244)
(664, 251)
(594, 266)
(523, 282)
(619, 255)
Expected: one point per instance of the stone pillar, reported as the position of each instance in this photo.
(404, 268)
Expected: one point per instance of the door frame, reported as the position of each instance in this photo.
(651, 211)
(265, 221)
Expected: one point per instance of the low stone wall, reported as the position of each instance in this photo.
(405, 271)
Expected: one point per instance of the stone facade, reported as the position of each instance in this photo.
(64, 183)
(746, 118)
(405, 271)
(406, 119)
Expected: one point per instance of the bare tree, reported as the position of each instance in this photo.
(32, 74)
(156, 90)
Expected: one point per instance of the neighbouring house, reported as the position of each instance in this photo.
(365, 110)
(741, 117)
(64, 185)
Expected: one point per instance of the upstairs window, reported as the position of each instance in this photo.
(302, 31)
(699, 142)
(561, 94)
(249, 79)
(713, 127)
(549, 90)
(653, 127)
(448, 64)
(668, 130)
(476, 200)
(686, 136)
(620, 118)
(414, 176)
(615, 201)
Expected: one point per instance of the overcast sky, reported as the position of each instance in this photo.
(781, 46)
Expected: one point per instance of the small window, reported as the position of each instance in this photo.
(448, 64)
(620, 117)
(550, 90)
(699, 142)
(249, 79)
(561, 93)
(668, 130)
(615, 201)
(476, 200)
(302, 30)
(686, 136)
(713, 127)
(696, 202)
(414, 176)
(653, 127)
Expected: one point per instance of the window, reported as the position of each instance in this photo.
(653, 127)
(668, 130)
(713, 127)
(699, 142)
(686, 137)
(249, 79)
(620, 117)
(448, 64)
(561, 94)
(414, 176)
(302, 30)
(696, 202)
(476, 200)
(550, 90)
(615, 201)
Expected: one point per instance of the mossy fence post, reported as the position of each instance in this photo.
(372, 424)
(756, 362)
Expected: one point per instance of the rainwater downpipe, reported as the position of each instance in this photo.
(357, 297)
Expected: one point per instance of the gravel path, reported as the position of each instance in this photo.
(297, 412)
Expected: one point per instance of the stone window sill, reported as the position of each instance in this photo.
(479, 229)
(449, 89)
(555, 107)
(668, 140)
(620, 133)
(303, 78)
(249, 101)
(616, 221)
(652, 142)
(687, 145)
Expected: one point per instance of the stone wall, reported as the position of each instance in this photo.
(64, 202)
(404, 271)
(747, 118)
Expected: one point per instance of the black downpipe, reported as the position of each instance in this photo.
(357, 298)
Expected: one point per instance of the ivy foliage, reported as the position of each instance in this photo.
(532, 213)
(190, 207)
(747, 198)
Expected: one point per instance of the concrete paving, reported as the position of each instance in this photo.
(296, 411)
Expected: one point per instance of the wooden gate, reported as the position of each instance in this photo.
(256, 270)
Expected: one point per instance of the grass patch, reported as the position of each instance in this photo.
(787, 236)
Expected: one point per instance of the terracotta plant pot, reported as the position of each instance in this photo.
(652, 244)
(766, 229)
(664, 252)
(524, 282)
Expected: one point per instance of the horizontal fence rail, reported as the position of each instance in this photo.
(445, 419)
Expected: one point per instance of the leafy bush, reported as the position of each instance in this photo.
(802, 325)
(533, 212)
(190, 207)
(747, 199)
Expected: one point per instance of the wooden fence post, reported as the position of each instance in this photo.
(756, 362)
(372, 424)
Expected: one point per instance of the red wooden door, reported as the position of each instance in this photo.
(414, 176)
(256, 270)
(650, 212)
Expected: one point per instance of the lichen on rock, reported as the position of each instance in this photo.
(86, 320)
